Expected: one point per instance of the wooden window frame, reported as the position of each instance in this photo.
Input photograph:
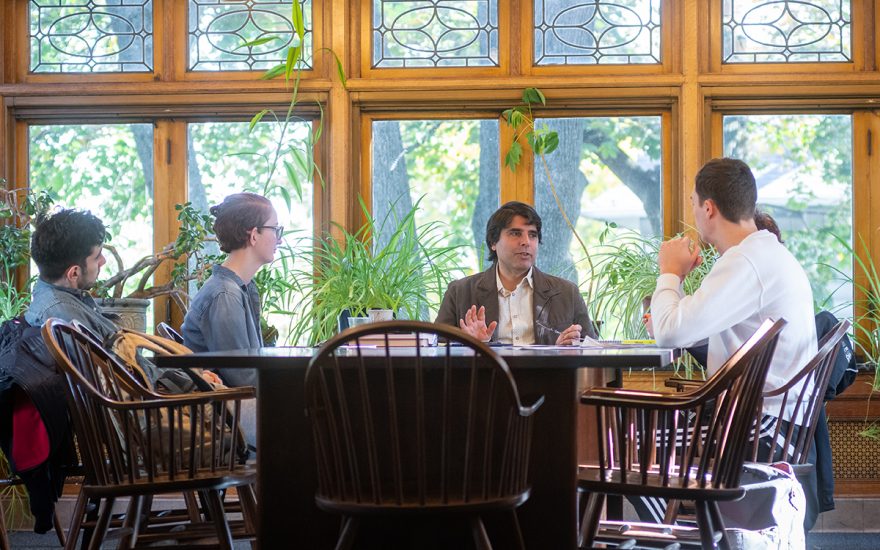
(862, 48)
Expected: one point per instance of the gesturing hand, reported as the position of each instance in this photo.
(474, 323)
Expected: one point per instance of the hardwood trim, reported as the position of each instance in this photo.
(856, 487)
(169, 189)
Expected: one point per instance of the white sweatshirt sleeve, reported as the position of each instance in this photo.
(730, 293)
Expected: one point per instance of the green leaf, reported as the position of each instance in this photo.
(301, 161)
(533, 95)
(257, 118)
(551, 142)
(293, 178)
(258, 42)
(296, 16)
(534, 141)
(513, 156)
(273, 72)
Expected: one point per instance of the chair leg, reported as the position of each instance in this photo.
(590, 521)
(103, 524)
(708, 536)
(481, 539)
(715, 513)
(215, 507)
(193, 509)
(520, 541)
(133, 521)
(76, 520)
(59, 529)
(347, 533)
(673, 506)
(248, 500)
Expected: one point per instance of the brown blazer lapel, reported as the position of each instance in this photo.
(486, 294)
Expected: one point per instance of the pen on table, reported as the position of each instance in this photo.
(574, 341)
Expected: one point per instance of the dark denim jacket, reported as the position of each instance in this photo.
(225, 315)
(67, 304)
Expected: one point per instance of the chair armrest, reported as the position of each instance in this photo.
(184, 399)
(683, 384)
(615, 397)
(530, 410)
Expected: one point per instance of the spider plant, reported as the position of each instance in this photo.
(386, 264)
(866, 310)
(625, 267)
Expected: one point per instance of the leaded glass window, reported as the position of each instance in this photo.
(786, 31)
(219, 28)
(435, 33)
(589, 32)
(88, 36)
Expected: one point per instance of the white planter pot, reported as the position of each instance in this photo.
(132, 311)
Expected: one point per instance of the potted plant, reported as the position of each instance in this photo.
(18, 208)
(391, 264)
(187, 254)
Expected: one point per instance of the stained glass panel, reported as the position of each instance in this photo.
(786, 31)
(435, 33)
(589, 32)
(219, 28)
(89, 36)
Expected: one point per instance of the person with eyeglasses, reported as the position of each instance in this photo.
(225, 314)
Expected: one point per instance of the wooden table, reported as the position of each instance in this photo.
(286, 481)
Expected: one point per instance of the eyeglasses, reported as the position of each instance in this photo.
(279, 229)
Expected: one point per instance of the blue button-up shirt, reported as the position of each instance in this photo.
(225, 315)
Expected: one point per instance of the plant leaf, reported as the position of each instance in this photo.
(258, 42)
(513, 156)
(296, 17)
(533, 95)
(293, 178)
(551, 142)
(257, 117)
(273, 72)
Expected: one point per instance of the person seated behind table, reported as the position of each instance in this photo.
(225, 314)
(754, 279)
(525, 305)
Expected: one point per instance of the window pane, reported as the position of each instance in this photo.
(571, 32)
(435, 33)
(786, 31)
(803, 167)
(91, 37)
(107, 169)
(450, 167)
(606, 173)
(218, 28)
(225, 158)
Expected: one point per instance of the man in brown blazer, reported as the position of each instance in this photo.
(513, 302)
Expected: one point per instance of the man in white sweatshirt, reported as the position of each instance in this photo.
(756, 278)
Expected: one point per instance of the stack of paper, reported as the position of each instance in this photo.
(398, 340)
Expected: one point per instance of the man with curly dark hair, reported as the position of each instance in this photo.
(67, 247)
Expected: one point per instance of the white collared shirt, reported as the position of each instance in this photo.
(516, 312)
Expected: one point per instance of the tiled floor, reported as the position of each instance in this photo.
(851, 515)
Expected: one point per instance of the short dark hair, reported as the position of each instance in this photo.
(764, 220)
(64, 239)
(236, 216)
(502, 217)
(731, 186)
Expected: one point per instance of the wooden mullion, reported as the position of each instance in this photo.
(169, 189)
(515, 185)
